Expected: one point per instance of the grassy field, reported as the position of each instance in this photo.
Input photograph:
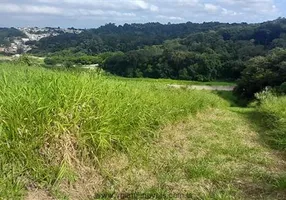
(80, 135)
(273, 120)
(170, 81)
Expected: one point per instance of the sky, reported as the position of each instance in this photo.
(94, 13)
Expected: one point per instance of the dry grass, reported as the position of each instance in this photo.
(216, 150)
(53, 123)
(74, 135)
(215, 155)
(38, 195)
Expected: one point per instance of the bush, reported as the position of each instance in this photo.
(282, 88)
(262, 72)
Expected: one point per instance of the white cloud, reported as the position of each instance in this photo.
(31, 9)
(69, 12)
(211, 7)
(257, 6)
(85, 12)
(141, 4)
(154, 8)
(108, 4)
(172, 18)
(188, 2)
(226, 12)
(13, 8)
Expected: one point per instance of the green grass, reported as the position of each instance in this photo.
(52, 120)
(273, 112)
(79, 134)
(215, 155)
(170, 81)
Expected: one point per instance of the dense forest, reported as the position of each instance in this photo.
(126, 37)
(189, 51)
(129, 37)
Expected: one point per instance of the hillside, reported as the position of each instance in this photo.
(210, 51)
(188, 51)
(8, 34)
(81, 135)
(125, 38)
(135, 36)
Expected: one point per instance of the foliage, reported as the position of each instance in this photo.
(240, 40)
(125, 37)
(68, 56)
(262, 72)
(50, 120)
(273, 110)
(187, 51)
(265, 94)
(154, 62)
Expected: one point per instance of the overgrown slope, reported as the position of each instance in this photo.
(54, 122)
(273, 113)
(80, 135)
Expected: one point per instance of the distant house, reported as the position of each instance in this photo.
(2, 49)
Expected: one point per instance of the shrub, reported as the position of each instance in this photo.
(282, 88)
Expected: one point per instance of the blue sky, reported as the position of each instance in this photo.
(93, 13)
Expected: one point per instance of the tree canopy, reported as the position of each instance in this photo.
(250, 53)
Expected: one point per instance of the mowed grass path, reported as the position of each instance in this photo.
(217, 154)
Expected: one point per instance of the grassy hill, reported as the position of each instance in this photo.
(81, 135)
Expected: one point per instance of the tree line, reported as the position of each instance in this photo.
(201, 52)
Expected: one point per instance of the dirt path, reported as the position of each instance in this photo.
(203, 87)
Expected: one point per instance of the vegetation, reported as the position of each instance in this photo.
(80, 135)
(261, 72)
(67, 56)
(197, 52)
(170, 81)
(123, 38)
(83, 134)
(273, 114)
(44, 112)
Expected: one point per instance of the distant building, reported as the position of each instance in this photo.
(19, 45)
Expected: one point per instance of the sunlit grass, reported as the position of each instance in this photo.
(170, 81)
(273, 114)
(53, 120)
(72, 134)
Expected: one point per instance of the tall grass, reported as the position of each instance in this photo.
(274, 111)
(50, 119)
